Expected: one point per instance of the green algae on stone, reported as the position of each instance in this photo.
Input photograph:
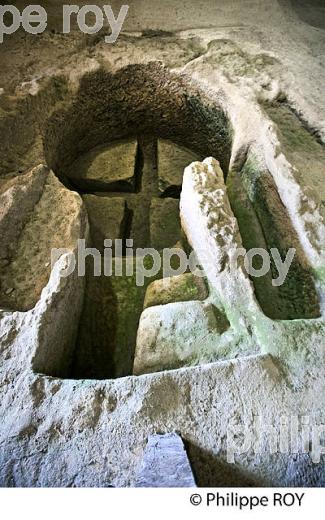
(303, 151)
(295, 136)
(297, 297)
(253, 237)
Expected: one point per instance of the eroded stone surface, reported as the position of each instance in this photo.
(57, 432)
(297, 296)
(109, 167)
(213, 232)
(51, 217)
(172, 161)
(165, 463)
(107, 218)
(49, 331)
(18, 198)
(108, 325)
(165, 229)
(180, 288)
(178, 334)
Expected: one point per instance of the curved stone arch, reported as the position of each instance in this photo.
(136, 99)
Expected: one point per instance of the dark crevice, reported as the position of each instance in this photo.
(127, 224)
(90, 187)
(173, 192)
(138, 170)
